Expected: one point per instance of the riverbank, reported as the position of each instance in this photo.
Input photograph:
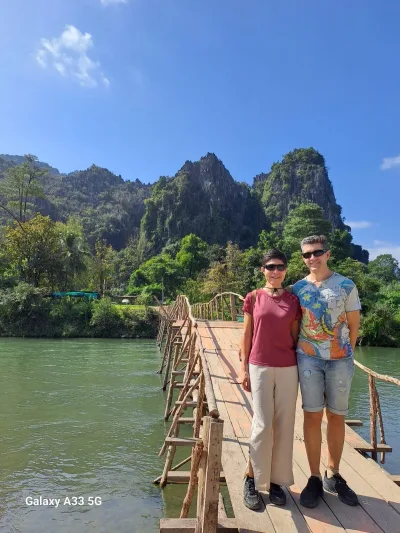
(31, 314)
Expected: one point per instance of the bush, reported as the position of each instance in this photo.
(24, 311)
(106, 320)
(380, 327)
(70, 317)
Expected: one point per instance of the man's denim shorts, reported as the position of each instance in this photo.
(325, 382)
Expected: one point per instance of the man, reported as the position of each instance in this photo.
(329, 328)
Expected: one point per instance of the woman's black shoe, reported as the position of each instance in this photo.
(277, 495)
(251, 496)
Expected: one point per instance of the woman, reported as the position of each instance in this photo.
(269, 370)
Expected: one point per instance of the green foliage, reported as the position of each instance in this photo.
(296, 268)
(161, 269)
(385, 268)
(192, 255)
(36, 252)
(307, 219)
(106, 321)
(20, 185)
(380, 326)
(23, 311)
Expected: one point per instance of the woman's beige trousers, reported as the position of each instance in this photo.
(274, 392)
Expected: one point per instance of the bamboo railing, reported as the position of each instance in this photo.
(185, 369)
(375, 412)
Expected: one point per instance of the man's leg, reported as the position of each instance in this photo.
(312, 384)
(338, 376)
(335, 439)
(313, 440)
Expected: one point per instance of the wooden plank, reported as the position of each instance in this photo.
(288, 519)
(395, 479)
(235, 462)
(188, 525)
(374, 510)
(320, 519)
(183, 476)
(209, 510)
(355, 423)
(353, 519)
(360, 444)
(173, 441)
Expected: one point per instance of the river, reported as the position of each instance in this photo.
(84, 418)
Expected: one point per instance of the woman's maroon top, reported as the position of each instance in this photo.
(272, 343)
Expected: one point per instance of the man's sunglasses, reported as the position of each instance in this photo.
(271, 267)
(315, 253)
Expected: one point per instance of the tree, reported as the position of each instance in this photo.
(20, 186)
(192, 255)
(219, 279)
(268, 240)
(384, 268)
(74, 250)
(36, 251)
(340, 245)
(157, 270)
(307, 219)
(296, 268)
(103, 265)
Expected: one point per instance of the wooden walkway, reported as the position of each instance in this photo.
(379, 511)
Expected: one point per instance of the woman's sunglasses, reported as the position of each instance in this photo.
(315, 253)
(271, 267)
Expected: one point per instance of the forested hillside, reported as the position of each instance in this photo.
(199, 232)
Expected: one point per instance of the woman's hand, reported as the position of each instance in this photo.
(245, 377)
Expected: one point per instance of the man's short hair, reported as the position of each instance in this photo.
(315, 239)
(274, 254)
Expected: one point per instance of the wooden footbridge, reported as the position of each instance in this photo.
(201, 372)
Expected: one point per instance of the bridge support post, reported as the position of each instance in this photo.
(209, 472)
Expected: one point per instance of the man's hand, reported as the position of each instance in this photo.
(245, 378)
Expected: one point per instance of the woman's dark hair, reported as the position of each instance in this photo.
(274, 254)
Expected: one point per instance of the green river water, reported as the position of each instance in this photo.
(84, 419)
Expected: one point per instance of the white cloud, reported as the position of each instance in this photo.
(360, 224)
(109, 2)
(390, 162)
(383, 247)
(68, 54)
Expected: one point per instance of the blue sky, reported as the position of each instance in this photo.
(140, 86)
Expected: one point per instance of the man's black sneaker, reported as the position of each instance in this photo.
(338, 486)
(310, 494)
(251, 496)
(276, 494)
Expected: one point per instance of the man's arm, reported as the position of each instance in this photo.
(353, 321)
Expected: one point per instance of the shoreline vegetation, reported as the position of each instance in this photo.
(91, 231)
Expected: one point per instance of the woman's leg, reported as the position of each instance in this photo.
(286, 389)
(262, 391)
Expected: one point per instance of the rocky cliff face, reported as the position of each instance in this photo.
(300, 177)
(204, 199)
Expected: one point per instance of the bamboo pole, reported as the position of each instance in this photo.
(166, 348)
(173, 469)
(233, 308)
(178, 414)
(210, 467)
(196, 457)
(372, 415)
(168, 460)
(382, 377)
